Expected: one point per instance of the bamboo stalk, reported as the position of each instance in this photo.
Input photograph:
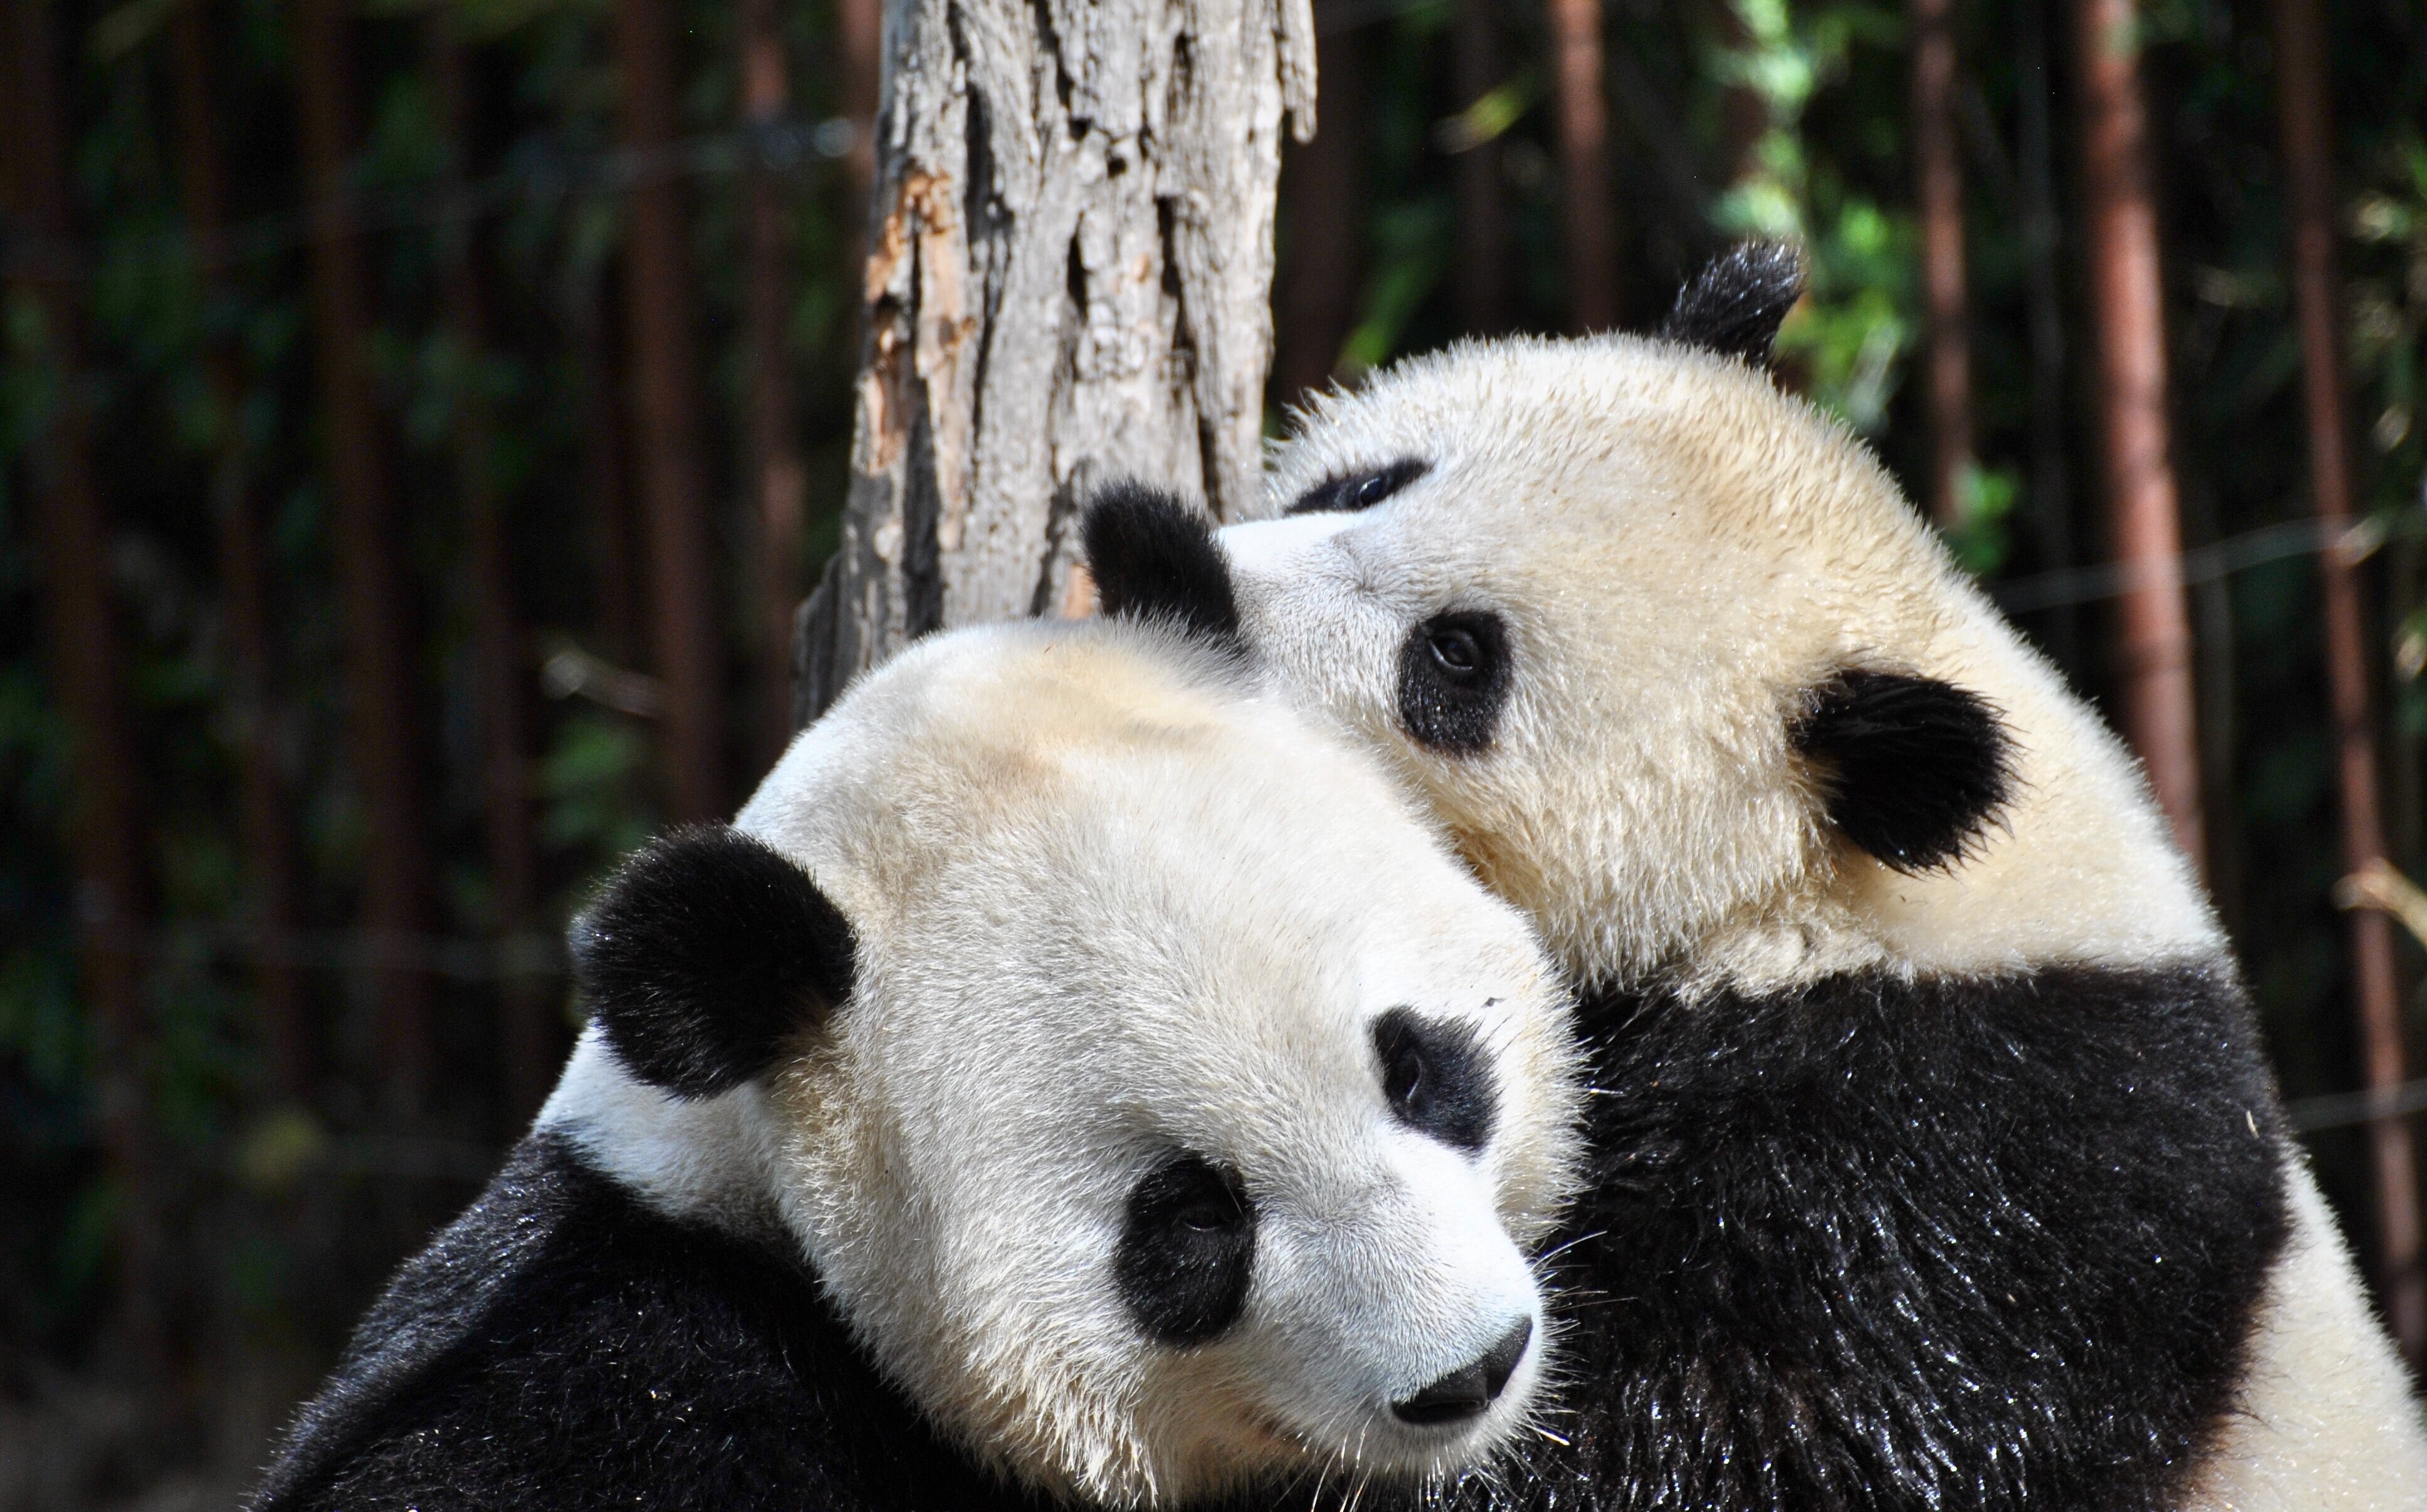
(2129, 322)
(265, 811)
(2306, 116)
(380, 685)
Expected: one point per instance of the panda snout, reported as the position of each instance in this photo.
(1467, 1393)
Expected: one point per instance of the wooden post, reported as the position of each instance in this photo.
(1593, 301)
(530, 1033)
(1322, 201)
(2129, 317)
(87, 665)
(1484, 285)
(1070, 268)
(1938, 185)
(778, 478)
(2302, 98)
(665, 403)
(263, 814)
(2035, 173)
(386, 724)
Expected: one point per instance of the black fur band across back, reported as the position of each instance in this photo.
(1879, 1244)
(561, 1348)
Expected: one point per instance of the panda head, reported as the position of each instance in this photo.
(1163, 1107)
(1672, 660)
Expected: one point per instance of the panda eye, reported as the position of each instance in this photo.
(1435, 1077)
(1454, 680)
(1457, 650)
(1187, 1248)
(1351, 493)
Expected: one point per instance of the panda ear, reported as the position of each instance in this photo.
(1912, 769)
(1736, 304)
(1154, 558)
(706, 952)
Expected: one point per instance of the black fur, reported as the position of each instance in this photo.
(1188, 1246)
(1911, 768)
(1355, 492)
(1454, 681)
(561, 1348)
(1883, 1244)
(1736, 304)
(704, 953)
(1435, 1078)
(1154, 558)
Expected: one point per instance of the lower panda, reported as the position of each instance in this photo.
(1070, 1074)
(1932, 1161)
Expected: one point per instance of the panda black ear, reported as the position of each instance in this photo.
(1912, 769)
(1154, 558)
(704, 953)
(1736, 304)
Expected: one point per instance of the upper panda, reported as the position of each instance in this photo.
(1932, 1161)
(1070, 1070)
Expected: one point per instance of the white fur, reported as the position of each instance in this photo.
(2327, 1423)
(1109, 904)
(1679, 551)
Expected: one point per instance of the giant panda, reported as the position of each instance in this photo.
(1070, 1074)
(1932, 1161)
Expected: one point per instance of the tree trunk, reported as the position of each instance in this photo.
(2128, 315)
(264, 813)
(530, 1033)
(1938, 182)
(2051, 483)
(665, 384)
(1323, 230)
(1486, 304)
(105, 829)
(1071, 258)
(2302, 95)
(778, 480)
(1593, 301)
(381, 686)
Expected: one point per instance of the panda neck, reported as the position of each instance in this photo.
(708, 1159)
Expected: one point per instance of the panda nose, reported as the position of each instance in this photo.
(1467, 1391)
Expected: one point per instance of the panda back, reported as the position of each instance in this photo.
(562, 1345)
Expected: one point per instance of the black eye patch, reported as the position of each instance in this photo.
(1350, 493)
(1454, 681)
(1435, 1078)
(1188, 1245)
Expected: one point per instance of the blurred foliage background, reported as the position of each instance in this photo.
(279, 1181)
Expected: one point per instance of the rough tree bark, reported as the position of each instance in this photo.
(381, 686)
(1938, 185)
(87, 667)
(264, 813)
(1323, 204)
(666, 394)
(1071, 254)
(2306, 112)
(1593, 301)
(777, 480)
(2129, 317)
(528, 1032)
(1486, 297)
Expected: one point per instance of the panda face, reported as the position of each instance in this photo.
(1676, 666)
(1189, 1111)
